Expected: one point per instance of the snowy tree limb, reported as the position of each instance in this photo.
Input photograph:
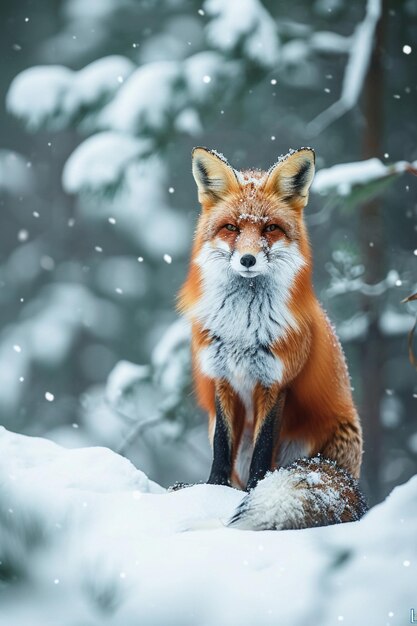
(357, 65)
(411, 355)
(136, 431)
(348, 285)
(344, 177)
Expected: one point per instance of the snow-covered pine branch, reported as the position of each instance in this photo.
(55, 97)
(15, 176)
(361, 46)
(45, 338)
(157, 99)
(100, 165)
(343, 178)
(158, 391)
(245, 26)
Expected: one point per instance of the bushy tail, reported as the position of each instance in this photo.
(307, 493)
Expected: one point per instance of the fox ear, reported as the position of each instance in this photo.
(214, 176)
(292, 176)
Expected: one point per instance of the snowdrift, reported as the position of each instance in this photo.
(86, 538)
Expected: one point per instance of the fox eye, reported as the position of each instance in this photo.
(231, 227)
(271, 227)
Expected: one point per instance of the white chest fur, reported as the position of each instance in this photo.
(245, 318)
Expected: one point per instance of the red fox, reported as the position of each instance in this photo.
(267, 365)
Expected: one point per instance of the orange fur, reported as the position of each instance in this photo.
(319, 410)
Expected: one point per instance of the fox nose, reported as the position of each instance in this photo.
(248, 260)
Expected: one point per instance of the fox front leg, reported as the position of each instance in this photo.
(266, 439)
(221, 468)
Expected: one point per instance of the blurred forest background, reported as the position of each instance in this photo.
(102, 102)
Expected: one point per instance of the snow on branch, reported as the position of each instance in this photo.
(343, 178)
(353, 329)
(113, 94)
(411, 354)
(37, 97)
(15, 176)
(245, 24)
(208, 75)
(156, 99)
(327, 42)
(166, 94)
(392, 323)
(348, 277)
(123, 377)
(345, 284)
(55, 97)
(101, 162)
(362, 42)
(45, 338)
(146, 100)
(149, 394)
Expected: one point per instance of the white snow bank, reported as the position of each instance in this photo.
(39, 463)
(117, 548)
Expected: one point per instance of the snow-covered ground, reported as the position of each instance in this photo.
(87, 539)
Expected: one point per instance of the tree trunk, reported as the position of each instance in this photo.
(372, 357)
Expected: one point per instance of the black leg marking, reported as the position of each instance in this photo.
(262, 452)
(222, 450)
(265, 443)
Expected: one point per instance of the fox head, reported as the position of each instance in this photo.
(251, 222)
